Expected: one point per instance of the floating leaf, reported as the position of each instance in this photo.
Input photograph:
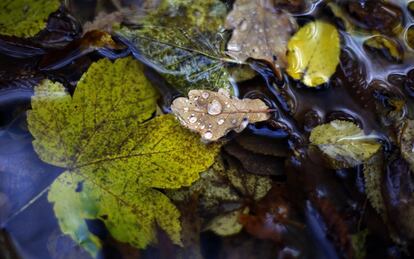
(313, 53)
(214, 114)
(344, 143)
(25, 18)
(186, 49)
(260, 31)
(113, 155)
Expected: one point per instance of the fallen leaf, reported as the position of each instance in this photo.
(313, 53)
(214, 114)
(406, 141)
(260, 31)
(226, 224)
(344, 143)
(25, 18)
(373, 173)
(114, 153)
(222, 190)
(256, 163)
(182, 43)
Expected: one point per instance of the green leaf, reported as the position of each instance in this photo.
(25, 18)
(114, 153)
(186, 49)
(313, 53)
(344, 143)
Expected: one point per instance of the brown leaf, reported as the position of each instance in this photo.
(260, 31)
(214, 114)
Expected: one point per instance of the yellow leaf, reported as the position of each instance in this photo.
(344, 143)
(114, 153)
(313, 53)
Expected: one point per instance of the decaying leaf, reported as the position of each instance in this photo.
(260, 31)
(182, 43)
(214, 114)
(313, 53)
(406, 141)
(114, 153)
(344, 143)
(25, 18)
(221, 190)
(226, 224)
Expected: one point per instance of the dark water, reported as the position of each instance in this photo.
(324, 199)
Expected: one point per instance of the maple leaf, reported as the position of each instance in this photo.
(344, 143)
(214, 114)
(25, 18)
(313, 53)
(260, 31)
(114, 153)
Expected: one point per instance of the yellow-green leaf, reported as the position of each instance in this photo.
(114, 153)
(313, 53)
(25, 18)
(344, 143)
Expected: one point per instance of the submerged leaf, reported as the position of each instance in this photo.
(25, 18)
(226, 224)
(373, 170)
(313, 53)
(214, 114)
(113, 154)
(181, 41)
(406, 140)
(344, 143)
(260, 32)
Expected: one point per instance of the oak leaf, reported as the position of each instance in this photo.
(214, 114)
(260, 31)
(114, 153)
(344, 143)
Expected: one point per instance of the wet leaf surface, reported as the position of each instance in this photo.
(25, 18)
(214, 114)
(313, 53)
(89, 189)
(260, 31)
(344, 143)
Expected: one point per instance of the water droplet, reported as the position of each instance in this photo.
(205, 95)
(243, 26)
(208, 135)
(214, 108)
(192, 119)
(234, 47)
(220, 121)
(234, 121)
(202, 126)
